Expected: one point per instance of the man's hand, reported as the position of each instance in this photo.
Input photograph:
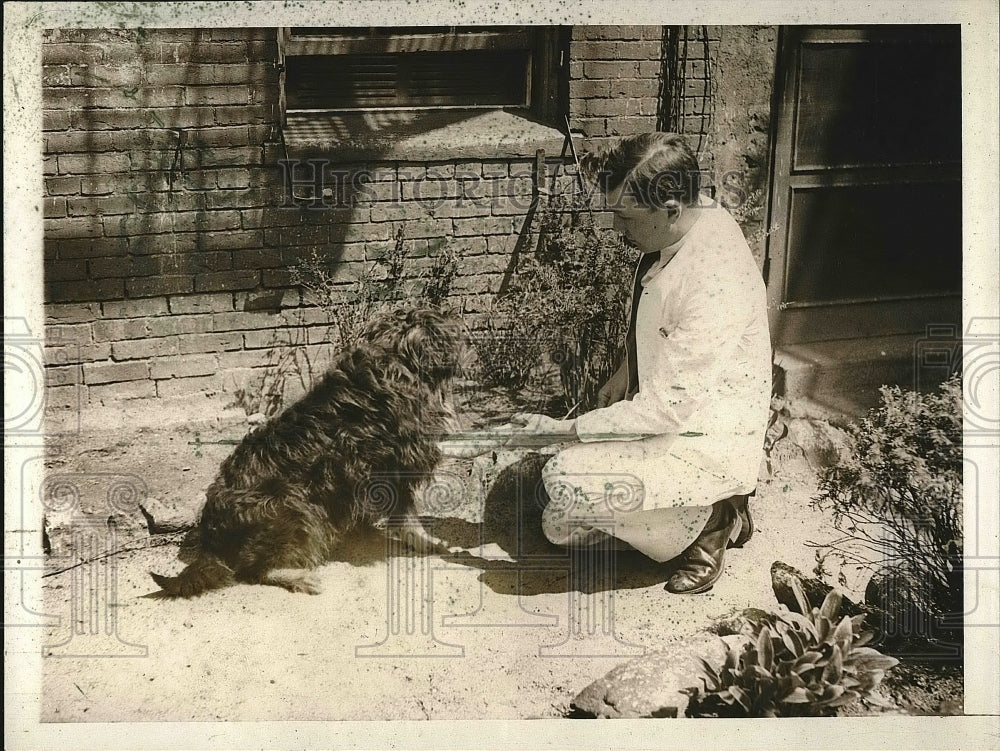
(536, 430)
(614, 390)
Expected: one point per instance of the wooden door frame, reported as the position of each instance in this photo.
(801, 322)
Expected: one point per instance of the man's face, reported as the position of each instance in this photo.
(643, 226)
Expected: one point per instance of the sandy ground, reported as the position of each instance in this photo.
(499, 629)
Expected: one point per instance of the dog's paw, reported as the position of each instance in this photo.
(307, 585)
(419, 541)
(408, 530)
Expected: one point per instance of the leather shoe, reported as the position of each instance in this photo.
(742, 505)
(704, 559)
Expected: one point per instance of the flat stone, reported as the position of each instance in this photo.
(822, 444)
(58, 535)
(650, 686)
(88, 514)
(733, 623)
(782, 576)
(80, 536)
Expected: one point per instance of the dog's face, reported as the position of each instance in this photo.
(431, 342)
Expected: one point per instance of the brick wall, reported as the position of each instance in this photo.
(153, 160)
(623, 78)
(169, 236)
(711, 83)
(614, 80)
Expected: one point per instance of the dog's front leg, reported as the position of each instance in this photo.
(293, 579)
(414, 536)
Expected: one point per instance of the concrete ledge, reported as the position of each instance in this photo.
(845, 375)
(418, 135)
(200, 409)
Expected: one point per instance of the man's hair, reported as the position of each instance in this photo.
(655, 167)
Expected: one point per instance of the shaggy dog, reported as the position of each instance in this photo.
(353, 450)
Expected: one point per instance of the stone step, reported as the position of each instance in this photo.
(844, 375)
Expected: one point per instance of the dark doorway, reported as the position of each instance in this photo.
(866, 202)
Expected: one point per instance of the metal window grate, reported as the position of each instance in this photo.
(343, 69)
(342, 41)
(475, 78)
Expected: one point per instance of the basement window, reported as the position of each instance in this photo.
(371, 91)
(407, 67)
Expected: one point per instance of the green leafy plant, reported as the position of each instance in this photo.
(897, 500)
(510, 349)
(348, 307)
(442, 272)
(384, 282)
(567, 302)
(586, 279)
(794, 665)
(265, 392)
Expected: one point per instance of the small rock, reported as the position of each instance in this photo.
(58, 532)
(169, 516)
(951, 707)
(820, 442)
(74, 535)
(733, 623)
(650, 686)
(782, 576)
(85, 513)
(902, 612)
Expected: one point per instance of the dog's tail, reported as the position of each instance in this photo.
(204, 573)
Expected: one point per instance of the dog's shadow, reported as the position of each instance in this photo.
(510, 538)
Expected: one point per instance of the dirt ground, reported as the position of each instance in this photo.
(497, 629)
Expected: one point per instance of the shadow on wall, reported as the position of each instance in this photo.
(167, 202)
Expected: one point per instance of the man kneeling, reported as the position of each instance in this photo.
(667, 461)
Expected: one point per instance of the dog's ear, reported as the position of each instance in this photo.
(421, 350)
(430, 345)
(590, 164)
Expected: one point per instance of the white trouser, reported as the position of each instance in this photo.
(588, 500)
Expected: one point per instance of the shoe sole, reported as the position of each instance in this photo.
(697, 591)
(700, 588)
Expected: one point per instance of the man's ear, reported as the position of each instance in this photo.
(674, 208)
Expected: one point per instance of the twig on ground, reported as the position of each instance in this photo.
(174, 536)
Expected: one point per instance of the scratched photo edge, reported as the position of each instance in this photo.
(22, 264)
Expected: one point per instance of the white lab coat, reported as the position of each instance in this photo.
(704, 372)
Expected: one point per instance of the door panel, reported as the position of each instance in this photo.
(873, 241)
(878, 102)
(866, 202)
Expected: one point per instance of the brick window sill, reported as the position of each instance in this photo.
(414, 136)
